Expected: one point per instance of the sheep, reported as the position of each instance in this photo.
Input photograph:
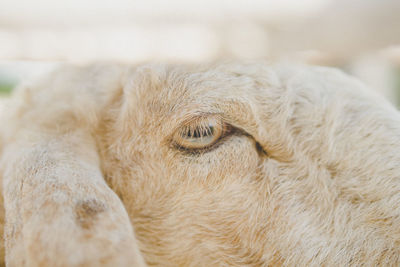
(231, 164)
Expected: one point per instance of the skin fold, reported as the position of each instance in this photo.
(306, 171)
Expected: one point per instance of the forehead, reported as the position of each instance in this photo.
(175, 83)
(174, 93)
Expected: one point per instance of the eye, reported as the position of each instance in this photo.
(199, 134)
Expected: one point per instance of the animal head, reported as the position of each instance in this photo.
(222, 165)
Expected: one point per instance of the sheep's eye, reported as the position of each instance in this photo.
(199, 134)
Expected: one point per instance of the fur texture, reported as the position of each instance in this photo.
(309, 177)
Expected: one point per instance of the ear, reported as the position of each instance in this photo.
(59, 209)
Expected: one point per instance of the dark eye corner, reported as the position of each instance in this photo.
(260, 150)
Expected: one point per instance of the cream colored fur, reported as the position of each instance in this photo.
(311, 177)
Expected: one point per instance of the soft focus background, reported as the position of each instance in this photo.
(362, 37)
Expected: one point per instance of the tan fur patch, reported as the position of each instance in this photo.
(87, 211)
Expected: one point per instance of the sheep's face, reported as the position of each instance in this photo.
(234, 165)
(231, 166)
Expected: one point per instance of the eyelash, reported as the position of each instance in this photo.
(198, 131)
(227, 131)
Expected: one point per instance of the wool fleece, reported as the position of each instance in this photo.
(235, 164)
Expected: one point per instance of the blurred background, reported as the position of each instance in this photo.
(362, 37)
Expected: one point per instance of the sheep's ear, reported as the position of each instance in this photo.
(59, 209)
